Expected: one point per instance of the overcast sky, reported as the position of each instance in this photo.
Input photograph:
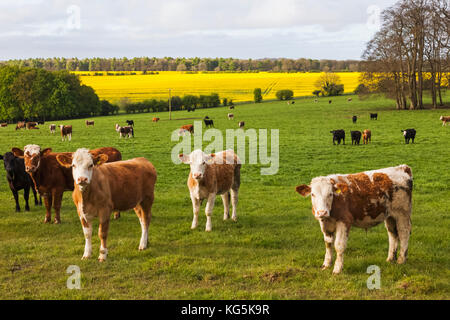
(317, 29)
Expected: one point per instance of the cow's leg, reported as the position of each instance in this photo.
(87, 231)
(48, 201)
(26, 196)
(144, 212)
(226, 205)
(57, 199)
(36, 202)
(340, 244)
(209, 211)
(404, 231)
(234, 202)
(391, 227)
(196, 210)
(103, 234)
(329, 239)
(16, 198)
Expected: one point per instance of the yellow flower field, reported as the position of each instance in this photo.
(236, 86)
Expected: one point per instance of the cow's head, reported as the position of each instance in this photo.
(82, 163)
(322, 191)
(441, 118)
(198, 160)
(32, 155)
(9, 163)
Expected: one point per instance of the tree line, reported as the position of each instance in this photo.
(410, 53)
(196, 64)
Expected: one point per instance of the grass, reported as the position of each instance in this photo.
(275, 249)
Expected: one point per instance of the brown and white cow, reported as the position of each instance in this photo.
(230, 116)
(367, 136)
(185, 129)
(101, 188)
(20, 125)
(66, 132)
(3, 125)
(90, 123)
(241, 124)
(444, 120)
(210, 175)
(363, 200)
(50, 179)
(31, 125)
(125, 132)
(155, 119)
(52, 128)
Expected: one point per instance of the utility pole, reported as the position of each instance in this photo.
(170, 104)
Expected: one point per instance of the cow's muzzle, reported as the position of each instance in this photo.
(321, 214)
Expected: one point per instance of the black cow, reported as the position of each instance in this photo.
(354, 118)
(374, 116)
(329, 101)
(18, 179)
(130, 122)
(338, 135)
(356, 137)
(208, 122)
(409, 134)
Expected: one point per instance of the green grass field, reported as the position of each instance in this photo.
(275, 249)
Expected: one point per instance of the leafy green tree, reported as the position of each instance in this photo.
(284, 94)
(257, 95)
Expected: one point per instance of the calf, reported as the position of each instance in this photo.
(66, 132)
(20, 125)
(241, 124)
(3, 125)
(50, 179)
(125, 132)
(354, 119)
(409, 134)
(52, 128)
(338, 135)
(444, 120)
(155, 119)
(374, 116)
(211, 175)
(367, 136)
(230, 116)
(18, 179)
(101, 188)
(231, 107)
(186, 128)
(30, 125)
(208, 123)
(130, 122)
(362, 200)
(329, 101)
(89, 123)
(356, 137)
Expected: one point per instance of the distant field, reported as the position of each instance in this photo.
(236, 86)
(275, 249)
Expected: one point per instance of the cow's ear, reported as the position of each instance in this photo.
(340, 188)
(100, 159)
(184, 158)
(46, 152)
(304, 190)
(64, 160)
(17, 152)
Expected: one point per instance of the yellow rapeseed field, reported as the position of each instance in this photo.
(236, 86)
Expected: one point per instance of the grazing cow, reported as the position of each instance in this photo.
(241, 124)
(208, 122)
(101, 188)
(338, 135)
(409, 134)
(362, 200)
(18, 179)
(52, 128)
(230, 116)
(185, 129)
(349, 99)
(356, 137)
(31, 125)
(20, 125)
(66, 132)
(89, 123)
(374, 116)
(155, 119)
(444, 120)
(315, 100)
(211, 175)
(367, 136)
(231, 107)
(329, 101)
(50, 179)
(125, 132)
(354, 119)
(130, 122)
(3, 125)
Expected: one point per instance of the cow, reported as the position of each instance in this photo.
(3, 125)
(125, 132)
(31, 125)
(329, 101)
(49, 178)
(349, 99)
(444, 120)
(210, 175)
(66, 132)
(40, 122)
(409, 134)
(354, 119)
(89, 123)
(52, 128)
(20, 125)
(241, 124)
(208, 122)
(231, 107)
(338, 135)
(356, 137)
(367, 136)
(374, 116)
(230, 116)
(101, 188)
(185, 129)
(130, 122)
(363, 200)
(18, 179)
(315, 100)
(155, 119)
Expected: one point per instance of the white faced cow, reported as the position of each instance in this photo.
(362, 200)
(213, 174)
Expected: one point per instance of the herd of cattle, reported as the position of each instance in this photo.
(103, 183)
